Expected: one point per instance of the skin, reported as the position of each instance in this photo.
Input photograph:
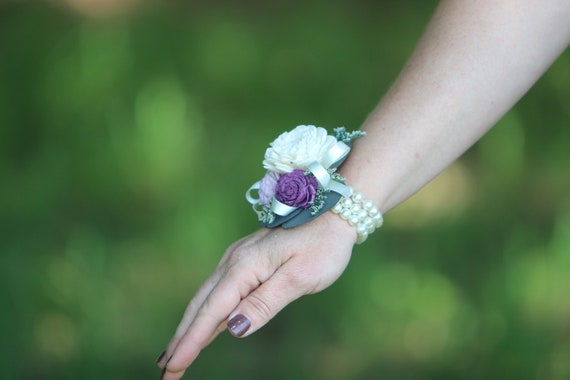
(476, 59)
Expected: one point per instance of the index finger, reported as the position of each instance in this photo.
(194, 306)
(214, 311)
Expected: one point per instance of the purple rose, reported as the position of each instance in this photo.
(296, 189)
(267, 187)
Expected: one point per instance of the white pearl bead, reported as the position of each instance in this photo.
(373, 211)
(368, 205)
(347, 202)
(357, 197)
(337, 208)
(361, 228)
(361, 237)
(345, 214)
(353, 220)
(378, 220)
(355, 209)
(362, 214)
(371, 228)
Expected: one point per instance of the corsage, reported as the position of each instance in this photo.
(301, 182)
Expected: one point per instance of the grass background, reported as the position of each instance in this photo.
(127, 143)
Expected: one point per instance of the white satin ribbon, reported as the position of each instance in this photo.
(320, 170)
(281, 209)
(249, 197)
(336, 153)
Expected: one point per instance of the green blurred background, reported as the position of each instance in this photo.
(129, 136)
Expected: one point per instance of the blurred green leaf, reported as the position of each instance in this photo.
(127, 143)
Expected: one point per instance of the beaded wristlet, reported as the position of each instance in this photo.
(360, 213)
(301, 182)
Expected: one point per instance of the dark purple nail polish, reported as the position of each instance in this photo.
(239, 325)
(161, 357)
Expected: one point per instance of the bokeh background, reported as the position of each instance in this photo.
(129, 133)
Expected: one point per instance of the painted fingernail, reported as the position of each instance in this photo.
(162, 374)
(161, 357)
(239, 325)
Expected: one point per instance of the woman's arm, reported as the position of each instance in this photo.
(475, 60)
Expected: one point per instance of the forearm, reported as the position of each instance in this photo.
(474, 62)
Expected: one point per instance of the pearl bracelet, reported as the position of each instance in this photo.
(359, 212)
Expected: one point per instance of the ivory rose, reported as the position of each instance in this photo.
(297, 149)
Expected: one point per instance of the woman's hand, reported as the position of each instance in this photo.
(257, 277)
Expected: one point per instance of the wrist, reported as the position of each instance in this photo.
(340, 228)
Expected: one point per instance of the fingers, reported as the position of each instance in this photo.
(261, 305)
(226, 295)
(194, 306)
(189, 315)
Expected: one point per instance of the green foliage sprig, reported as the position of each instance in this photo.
(346, 137)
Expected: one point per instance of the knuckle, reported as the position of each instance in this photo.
(295, 279)
(260, 306)
(304, 278)
(237, 256)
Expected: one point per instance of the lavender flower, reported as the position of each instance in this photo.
(267, 187)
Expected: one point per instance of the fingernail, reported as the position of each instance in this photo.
(239, 325)
(162, 374)
(161, 357)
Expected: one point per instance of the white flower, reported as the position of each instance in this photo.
(297, 149)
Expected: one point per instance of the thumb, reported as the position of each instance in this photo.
(261, 305)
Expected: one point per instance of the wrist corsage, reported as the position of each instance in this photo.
(301, 181)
